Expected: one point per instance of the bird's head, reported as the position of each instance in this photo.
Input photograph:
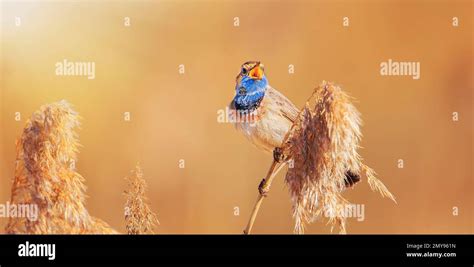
(252, 75)
(251, 84)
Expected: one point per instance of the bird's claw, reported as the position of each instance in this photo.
(261, 188)
(278, 154)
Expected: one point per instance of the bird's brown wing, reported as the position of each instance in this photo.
(286, 107)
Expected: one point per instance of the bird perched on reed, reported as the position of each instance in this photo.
(264, 115)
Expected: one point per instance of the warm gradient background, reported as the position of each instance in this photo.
(175, 116)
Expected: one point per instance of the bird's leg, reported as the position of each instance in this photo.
(264, 185)
(278, 154)
(261, 188)
(278, 157)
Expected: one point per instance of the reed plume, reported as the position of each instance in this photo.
(139, 218)
(45, 176)
(323, 147)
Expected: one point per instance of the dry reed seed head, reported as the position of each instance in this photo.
(139, 217)
(44, 177)
(323, 145)
(50, 135)
(377, 185)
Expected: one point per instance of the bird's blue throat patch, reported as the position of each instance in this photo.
(249, 94)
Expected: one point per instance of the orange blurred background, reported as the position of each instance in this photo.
(174, 116)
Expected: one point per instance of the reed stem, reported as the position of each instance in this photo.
(272, 172)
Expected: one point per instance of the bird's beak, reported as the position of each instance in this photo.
(256, 73)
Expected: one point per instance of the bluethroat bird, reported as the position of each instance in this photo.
(263, 114)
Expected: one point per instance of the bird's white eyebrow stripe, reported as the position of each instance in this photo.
(249, 66)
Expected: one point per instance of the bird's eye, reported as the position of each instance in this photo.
(244, 71)
(242, 91)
